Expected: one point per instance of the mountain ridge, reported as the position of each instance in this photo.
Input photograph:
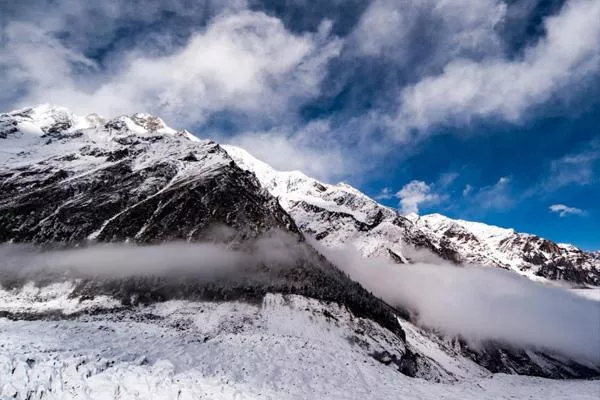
(340, 214)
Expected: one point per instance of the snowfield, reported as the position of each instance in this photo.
(288, 347)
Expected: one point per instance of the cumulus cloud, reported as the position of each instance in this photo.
(483, 304)
(413, 194)
(506, 88)
(242, 62)
(564, 211)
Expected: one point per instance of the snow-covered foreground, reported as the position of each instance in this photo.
(285, 348)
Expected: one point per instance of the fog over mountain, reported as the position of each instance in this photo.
(477, 304)
(481, 304)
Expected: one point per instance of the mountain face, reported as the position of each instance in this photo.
(337, 215)
(69, 181)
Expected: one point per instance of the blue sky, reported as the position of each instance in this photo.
(486, 110)
(530, 157)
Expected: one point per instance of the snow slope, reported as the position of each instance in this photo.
(524, 253)
(333, 214)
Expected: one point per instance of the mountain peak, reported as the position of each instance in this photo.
(44, 118)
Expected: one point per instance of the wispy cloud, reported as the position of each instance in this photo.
(447, 179)
(564, 211)
(385, 194)
(467, 190)
(573, 169)
(498, 196)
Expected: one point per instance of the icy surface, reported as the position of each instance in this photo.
(54, 297)
(284, 348)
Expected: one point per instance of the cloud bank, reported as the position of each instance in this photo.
(106, 261)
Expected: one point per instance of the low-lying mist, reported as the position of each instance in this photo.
(114, 261)
(482, 304)
(475, 303)
(247, 270)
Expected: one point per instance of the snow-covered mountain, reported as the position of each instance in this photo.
(528, 254)
(338, 215)
(73, 181)
(69, 179)
(276, 327)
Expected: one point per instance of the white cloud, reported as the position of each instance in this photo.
(308, 149)
(498, 197)
(457, 302)
(244, 62)
(497, 87)
(447, 179)
(385, 194)
(495, 197)
(565, 211)
(413, 194)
